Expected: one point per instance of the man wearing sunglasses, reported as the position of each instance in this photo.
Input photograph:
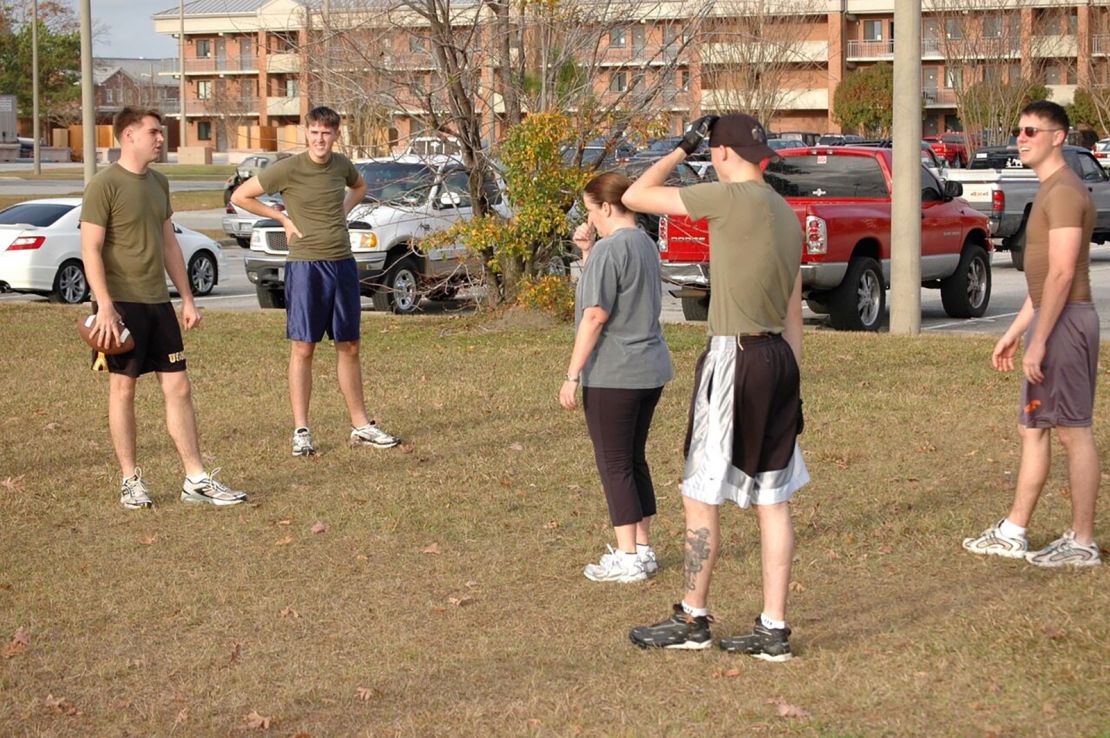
(1060, 361)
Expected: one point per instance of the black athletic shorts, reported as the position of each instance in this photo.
(158, 344)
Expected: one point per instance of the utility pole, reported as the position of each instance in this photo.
(35, 125)
(905, 229)
(88, 113)
(181, 74)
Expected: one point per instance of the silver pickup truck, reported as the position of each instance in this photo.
(999, 186)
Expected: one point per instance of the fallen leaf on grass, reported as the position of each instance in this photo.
(516, 446)
(61, 705)
(257, 722)
(21, 639)
(551, 524)
(13, 484)
(181, 717)
(367, 693)
(431, 549)
(534, 722)
(406, 449)
(289, 612)
(461, 601)
(284, 541)
(285, 521)
(796, 586)
(1052, 632)
(786, 710)
(319, 527)
(1065, 492)
(148, 539)
(732, 673)
(53, 425)
(236, 653)
(472, 584)
(1048, 710)
(362, 557)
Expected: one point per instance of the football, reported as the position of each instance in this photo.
(84, 328)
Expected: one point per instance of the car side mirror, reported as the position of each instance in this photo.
(953, 189)
(449, 200)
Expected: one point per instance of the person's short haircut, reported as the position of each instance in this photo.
(129, 116)
(1050, 111)
(609, 187)
(322, 115)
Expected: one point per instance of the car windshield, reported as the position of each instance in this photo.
(35, 214)
(390, 181)
(822, 176)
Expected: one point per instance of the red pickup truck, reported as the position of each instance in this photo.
(841, 196)
(950, 147)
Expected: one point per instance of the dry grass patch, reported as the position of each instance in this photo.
(442, 593)
(183, 200)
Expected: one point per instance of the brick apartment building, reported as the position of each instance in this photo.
(248, 63)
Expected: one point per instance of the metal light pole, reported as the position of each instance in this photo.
(35, 85)
(181, 74)
(88, 114)
(905, 230)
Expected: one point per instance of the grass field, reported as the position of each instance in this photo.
(173, 171)
(184, 200)
(436, 589)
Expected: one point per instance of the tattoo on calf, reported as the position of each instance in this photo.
(697, 553)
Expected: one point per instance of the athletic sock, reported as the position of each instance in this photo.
(196, 479)
(1010, 530)
(771, 624)
(642, 548)
(697, 612)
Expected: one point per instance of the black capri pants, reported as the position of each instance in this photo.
(618, 421)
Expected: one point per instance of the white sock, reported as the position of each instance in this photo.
(1010, 530)
(196, 479)
(697, 612)
(771, 624)
(643, 549)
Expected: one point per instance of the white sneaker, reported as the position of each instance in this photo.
(302, 442)
(133, 493)
(371, 435)
(210, 491)
(650, 563)
(1065, 551)
(616, 566)
(992, 542)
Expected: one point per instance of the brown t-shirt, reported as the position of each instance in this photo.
(313, 195)
(1061, 202)
(132, 208)
(755, 252)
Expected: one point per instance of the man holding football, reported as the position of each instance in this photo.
(128, 246)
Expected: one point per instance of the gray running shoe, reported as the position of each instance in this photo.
(616, 566)
(211, 491)
(769, 644)
(302, 442)
(133, 493)
(651, 564)
(993, 543)
(1065, 551)
(371, 435)
(679, 631)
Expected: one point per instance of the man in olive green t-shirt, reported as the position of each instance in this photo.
(127, 247)
(745, 414)
(319, 188)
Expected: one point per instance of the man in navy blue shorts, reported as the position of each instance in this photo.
(319, 187)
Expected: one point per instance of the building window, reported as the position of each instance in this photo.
(638, 39)
(954, 79)
(684, 80)
(204, 89)
(872, 30)
(618, 37)
(992, 26)
(204, 131)
(416, 43)
(618, 81)
(953, 29)
(204, 48)
(292, 89)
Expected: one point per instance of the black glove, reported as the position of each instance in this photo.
(699, 129)
(801, 423)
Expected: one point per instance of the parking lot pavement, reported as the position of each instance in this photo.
(211, 220)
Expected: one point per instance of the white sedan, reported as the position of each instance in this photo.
(40, 252)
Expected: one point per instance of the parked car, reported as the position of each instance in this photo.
(929, 159)
(657, 148)
(40, 252)
(1102, 152)
(786, 143)
(407, 199)
(951, 148)
(998, 185)
(441, 145)
(842, 198)
(249, 167)
(839, 139)
(26, 147)
(594, 151)
(238, 223)
(809, 138)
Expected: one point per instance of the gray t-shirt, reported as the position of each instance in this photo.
(622, 277)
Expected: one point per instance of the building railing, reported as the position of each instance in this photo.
(1100, 44)
(938, 96)
(223, 106)
(937, 47)
(213, 64)
(871, 49)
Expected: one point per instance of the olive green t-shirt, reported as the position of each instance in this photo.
(1062, 201)
(755, 252)
(313, 195)
(132, 209)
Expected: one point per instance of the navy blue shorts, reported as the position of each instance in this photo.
(322, 297)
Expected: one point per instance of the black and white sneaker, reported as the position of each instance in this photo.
(302, 442)
(372, 435)
(133, 493)
(769, 644)
(680, 631)
(211, 491)
(1065, 551)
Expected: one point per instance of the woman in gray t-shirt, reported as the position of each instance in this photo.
(622, 362)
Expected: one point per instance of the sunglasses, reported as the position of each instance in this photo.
(1030, 131)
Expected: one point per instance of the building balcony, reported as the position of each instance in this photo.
(222, 65)
(937, 48)
(283, 105)
(789, 99)
(672, 99)
(283, 63)
(1053, 47)
(237, 106)
(938, 97)
(1100, 45)
(870, 50)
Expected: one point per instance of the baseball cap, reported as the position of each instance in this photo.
(744, 134)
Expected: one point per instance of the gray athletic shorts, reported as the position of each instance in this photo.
(1067, 395)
